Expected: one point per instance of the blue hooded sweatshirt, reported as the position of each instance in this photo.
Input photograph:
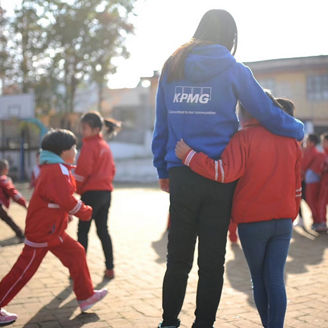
(201, 109)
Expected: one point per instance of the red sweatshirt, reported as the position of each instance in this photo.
(309, 158)
(319, 164)
(268, 168)
(51, 204)
(7, 191)
(95, 168)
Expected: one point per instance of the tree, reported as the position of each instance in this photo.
(30, 44)
(107, 44)
(57, 44)
(5, 58)
(85, 35)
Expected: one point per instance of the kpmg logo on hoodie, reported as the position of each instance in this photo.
(192, 95)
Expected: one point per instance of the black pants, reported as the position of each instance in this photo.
(198, 208)
(5, 217)
(99, 200)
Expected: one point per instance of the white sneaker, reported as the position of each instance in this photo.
(92, 300)
(7, 318)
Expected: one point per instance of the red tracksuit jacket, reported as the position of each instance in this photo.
(268, 168)
(51, 204)
(8, 190)
(95, 169)
(309, 158)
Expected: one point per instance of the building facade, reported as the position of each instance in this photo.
(303, 80)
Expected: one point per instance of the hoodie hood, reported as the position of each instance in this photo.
(206, 61)
(48, 157)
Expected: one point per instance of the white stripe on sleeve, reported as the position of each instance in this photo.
(76, 208)
(189, 157)
(222, 170)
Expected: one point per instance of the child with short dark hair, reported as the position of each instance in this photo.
(51, 204)
(265, 202)
(7, 192)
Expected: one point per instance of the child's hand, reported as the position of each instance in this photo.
(181, 149)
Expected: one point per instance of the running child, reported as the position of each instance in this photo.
(51, 204)
(94, 175)
(265, 203)
(7, 191)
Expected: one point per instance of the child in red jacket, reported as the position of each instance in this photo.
(265, 202)
(94, 175)
(7, 191)
(323, 189)
(51, 204)
(311, 157)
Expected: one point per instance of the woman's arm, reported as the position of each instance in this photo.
(259, 105)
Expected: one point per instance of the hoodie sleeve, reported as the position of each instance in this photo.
(160, 135)
(259, 105)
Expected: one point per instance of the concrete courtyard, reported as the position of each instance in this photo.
(137, 224)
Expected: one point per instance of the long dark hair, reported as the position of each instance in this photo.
(95, 120)
(217, 26)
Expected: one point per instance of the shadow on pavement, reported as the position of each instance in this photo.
(237, 273)
(160, 247)
(54, 314)
(306, 249)
(10, 241)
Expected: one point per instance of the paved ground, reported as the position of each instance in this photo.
(137, 221)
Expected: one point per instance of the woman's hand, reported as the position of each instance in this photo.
(181, 149)
(164, 184)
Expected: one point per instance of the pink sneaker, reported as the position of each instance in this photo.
(92, 300)
(109, 274)
(7, 318)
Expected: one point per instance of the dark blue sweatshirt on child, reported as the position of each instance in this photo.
(201, 109)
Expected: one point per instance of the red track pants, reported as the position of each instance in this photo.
(323, 199)
(69, 252)
(311, 197)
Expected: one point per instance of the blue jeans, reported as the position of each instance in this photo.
(265, 245)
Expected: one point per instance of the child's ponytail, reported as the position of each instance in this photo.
(112, 126)
(95, 120)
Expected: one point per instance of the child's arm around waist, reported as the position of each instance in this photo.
(229, 168)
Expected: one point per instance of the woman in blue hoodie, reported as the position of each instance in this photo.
(199, 87)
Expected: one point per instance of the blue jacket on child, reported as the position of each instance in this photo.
(201, 109)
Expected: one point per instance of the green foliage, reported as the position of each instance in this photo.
(61, 43)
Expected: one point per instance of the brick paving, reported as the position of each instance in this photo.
(137, 222)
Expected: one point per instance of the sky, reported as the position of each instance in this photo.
(266, 30)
